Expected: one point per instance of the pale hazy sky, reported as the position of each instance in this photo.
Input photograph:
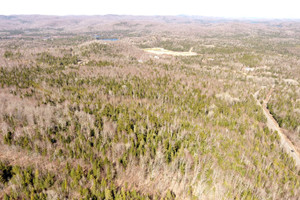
(218, 8)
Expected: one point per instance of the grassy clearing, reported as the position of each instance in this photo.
(162, 51)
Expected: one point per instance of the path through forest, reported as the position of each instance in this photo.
(286, 144)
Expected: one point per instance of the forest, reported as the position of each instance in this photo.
(83, 118)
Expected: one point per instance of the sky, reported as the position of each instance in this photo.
(214, 8)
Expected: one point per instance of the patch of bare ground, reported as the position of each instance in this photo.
(162, 51)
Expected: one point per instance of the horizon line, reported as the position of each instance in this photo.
(158, 15)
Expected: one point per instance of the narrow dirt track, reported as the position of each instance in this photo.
(286, 144)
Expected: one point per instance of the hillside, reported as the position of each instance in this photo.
(87, 113)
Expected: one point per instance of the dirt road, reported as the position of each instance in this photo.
(273, 125)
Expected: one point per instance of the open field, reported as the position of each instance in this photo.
(162, 51)
(174, 108)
